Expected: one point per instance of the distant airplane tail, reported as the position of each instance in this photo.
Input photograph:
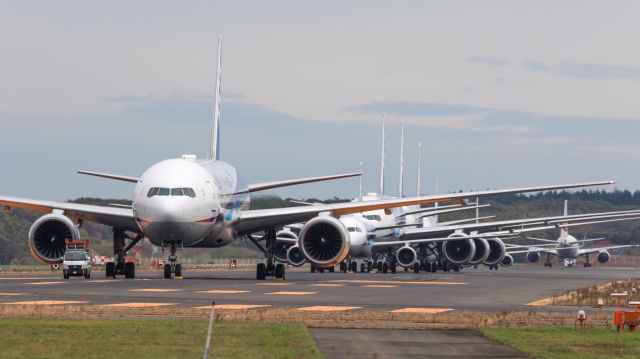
(564, 229)
(215, 128)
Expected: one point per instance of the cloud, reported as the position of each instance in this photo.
(487, 60)
(586, 71)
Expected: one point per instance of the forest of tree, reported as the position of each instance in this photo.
(14, 226)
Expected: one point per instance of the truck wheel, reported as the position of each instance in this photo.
(167, 271)
(65, 274)
(129, 270)
(110, 270)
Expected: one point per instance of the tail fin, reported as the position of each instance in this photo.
(215, 130)
(564, 230)
(381, 189)
(401, 180)
(418, 189)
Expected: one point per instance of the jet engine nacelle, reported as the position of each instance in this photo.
(47, 235)
(282, 247)
(324, 241)
(458, 249)
(507, 261)
(533, 257)
(295, 257)
(497, 252)
(482, 251)
(406, 256)
(603, 257)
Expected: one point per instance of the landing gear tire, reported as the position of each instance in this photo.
(362, 267)
(434, 267)
(65, 274)
(587, 265)
(261, 271)
(416, 268)
(393, 268)
(177, 272)
(167, 271)
(380, 266)
(321, 269)
(343, 267)
(369, 266)
(110, 270)
(354, 267)
(313, 268)
(385, 268)
(332, 269)
(279, 272)
(129, 270)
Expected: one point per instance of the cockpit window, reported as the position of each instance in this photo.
(373, 217)
(189, 192)
(153, 191)
(158, 191)
(351, 229)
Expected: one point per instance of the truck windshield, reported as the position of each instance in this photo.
(75, 256)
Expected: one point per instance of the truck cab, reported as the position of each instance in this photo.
(77, 260)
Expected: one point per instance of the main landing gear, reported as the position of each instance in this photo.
(172, 269)
(587, 264)
(548, 262)
(120, 266)
(270, 268)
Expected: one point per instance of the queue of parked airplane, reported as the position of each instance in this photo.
(205, 203)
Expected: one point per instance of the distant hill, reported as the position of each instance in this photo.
(14, 226)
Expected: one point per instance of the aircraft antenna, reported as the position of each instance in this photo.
(215, 128)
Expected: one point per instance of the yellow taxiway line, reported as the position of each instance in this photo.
(154, 290)
(327, 285)
(136, 305)
(222, 291)
(397, 282)
(47, 302)
(45, 283)
(292, 293)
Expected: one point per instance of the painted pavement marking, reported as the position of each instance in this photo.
(136, 305)
(422, 310)
(11, 294)
(222, 291)
(292, 293)
(327, 285)
(154, 290)
(360, 281)
(327, 308)
(45, 283)
(379, 286)
(234, 306)
(47, 302)
(274, 284)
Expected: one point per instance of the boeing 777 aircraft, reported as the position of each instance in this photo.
(204, 203)
(569, 248)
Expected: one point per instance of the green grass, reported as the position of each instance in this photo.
(568, 342)
(50, 338)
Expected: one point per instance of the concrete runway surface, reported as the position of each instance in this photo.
(470, 289)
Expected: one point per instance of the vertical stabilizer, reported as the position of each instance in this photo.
(418, 189)
(564, 230)
(381, 188)
(401, 179)
(360, 188)
(215, 128)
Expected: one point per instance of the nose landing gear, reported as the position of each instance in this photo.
(172, 269)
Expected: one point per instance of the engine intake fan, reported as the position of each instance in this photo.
(324, 241)
(47, 235)
(458, 249)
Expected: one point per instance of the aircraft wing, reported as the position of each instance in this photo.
(582, 252)
(255, 220)
(552, 252)
(513, 226)
(110, 216)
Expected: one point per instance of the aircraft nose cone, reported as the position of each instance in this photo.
(169, 211)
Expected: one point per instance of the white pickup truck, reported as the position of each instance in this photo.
(77, 260)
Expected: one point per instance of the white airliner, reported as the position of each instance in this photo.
(189, 202)
(569, 248)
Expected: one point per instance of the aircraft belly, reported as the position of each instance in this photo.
(186, 232)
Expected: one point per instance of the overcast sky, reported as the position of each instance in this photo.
(500, 93)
